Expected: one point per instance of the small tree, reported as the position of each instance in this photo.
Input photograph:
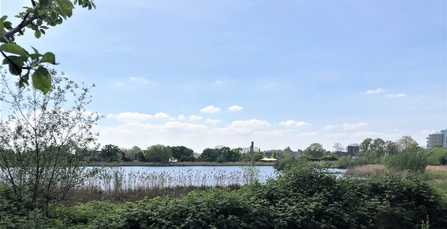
(111, 153)
(40, 138)
(315, 150)
(158, 153)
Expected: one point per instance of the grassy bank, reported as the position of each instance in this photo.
(196, 163)
(434, 175)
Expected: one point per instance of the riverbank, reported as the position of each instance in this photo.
(188, 163)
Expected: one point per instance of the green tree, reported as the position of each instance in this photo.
(208, 154)
(181, 153)
(40, 138)
(378, 146)
(315, 150)
(133, 152)
(111, 153)
(391, 147)
(437, 155)
(404, 142)
(38, 17)
(413, 158)
(158, 153)
(287, 150)
(365, 146)
(234, 155)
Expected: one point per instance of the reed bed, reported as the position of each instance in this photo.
(366, 170)
(437, 168)
(120, 185)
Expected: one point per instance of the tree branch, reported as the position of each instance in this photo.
(22, 25)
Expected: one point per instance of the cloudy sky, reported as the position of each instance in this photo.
(202, 73)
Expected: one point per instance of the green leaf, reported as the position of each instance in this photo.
(13, 48)
(37, 34)
(66, 7)
(24, 80)
(42, 79)
(15, 64)
(45, 3)
(49, 57)
(2, 29)
(35, 50)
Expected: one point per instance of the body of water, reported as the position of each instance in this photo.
(134, 177)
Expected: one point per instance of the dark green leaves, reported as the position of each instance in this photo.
(48, 58)
(15, 64)
(15, 49)
(66, 7)
(42, 79)
(45, 3)
(38, 17)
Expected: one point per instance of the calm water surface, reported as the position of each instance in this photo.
(133, 177)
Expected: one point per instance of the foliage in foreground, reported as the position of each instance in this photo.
(302, 197)
(40, 139)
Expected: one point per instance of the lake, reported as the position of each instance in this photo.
(135, 177)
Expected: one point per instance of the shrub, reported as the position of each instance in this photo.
(413, 160)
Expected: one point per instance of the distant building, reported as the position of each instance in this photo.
(353, 149)
(297, 153)
(268, 154)
(252, 149)
(437, 139)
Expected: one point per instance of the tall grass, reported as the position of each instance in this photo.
(117, 184)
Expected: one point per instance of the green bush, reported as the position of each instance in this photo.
(300, 197)
(437, 155)
(18, 211)
(413, 160)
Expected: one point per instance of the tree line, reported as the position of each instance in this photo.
(164, 154)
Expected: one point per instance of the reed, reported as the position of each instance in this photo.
(118, 185)
(437, 168)
(367, 170)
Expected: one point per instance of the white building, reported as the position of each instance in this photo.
(439, 138)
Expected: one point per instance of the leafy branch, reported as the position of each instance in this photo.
(39, 17)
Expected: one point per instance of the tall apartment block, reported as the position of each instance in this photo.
(439, 138)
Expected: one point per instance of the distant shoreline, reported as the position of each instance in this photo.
(201, 163)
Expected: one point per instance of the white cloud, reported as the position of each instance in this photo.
(130, 81)
(210, 109)
(181, 117)
(138, 80)
(331, 127)
(348, 126)
(368, 134)
(294, 123)
(234, 108)
(195, 118)
(183, 126)
(377, 91)
(233, 130)
(130, 117)
(253, 123)
(162, 115)
(305, 135)
(212, 121)
(399, 95)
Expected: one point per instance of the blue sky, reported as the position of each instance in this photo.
(280, 73)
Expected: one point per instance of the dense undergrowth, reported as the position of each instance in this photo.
(301, 197)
